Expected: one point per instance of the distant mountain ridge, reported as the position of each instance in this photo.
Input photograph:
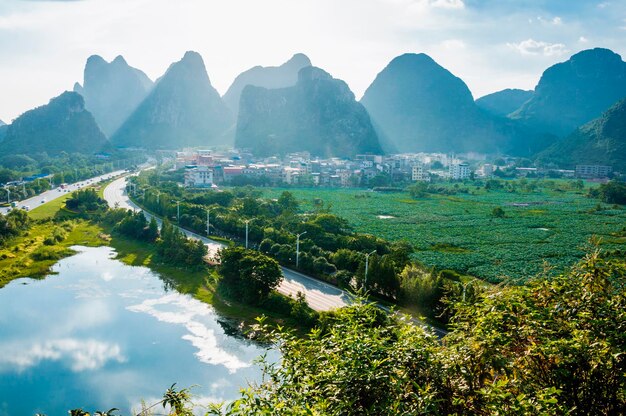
(63, 125)
(182, 109)
(419, 106)
(599, 142)
(575, 92)
(271, 77)
(112, 91)
(502, 103)
(2, 123)
(319, 115)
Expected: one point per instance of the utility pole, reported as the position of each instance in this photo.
(298, 248)
(367, 257)
(178, 212)
(8, 195)
(158, 195)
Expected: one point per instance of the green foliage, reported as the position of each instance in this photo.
(13, 224)
(613, 192)
(85, 201)
(136, 226)
(248, 275)
(423, 288)
(554, 347)
(498, 212)
(175, 248)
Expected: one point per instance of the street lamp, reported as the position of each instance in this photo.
(178, 212)
(298, 248)
(8, 195)
(367, 257)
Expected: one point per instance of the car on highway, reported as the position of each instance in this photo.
(43, 201)
(26, 207)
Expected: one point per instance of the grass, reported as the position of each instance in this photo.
(50, 209)
(29, 255)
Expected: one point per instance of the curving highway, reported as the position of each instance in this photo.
(319, 295)
(55, 193)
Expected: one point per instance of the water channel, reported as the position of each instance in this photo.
(99, 334)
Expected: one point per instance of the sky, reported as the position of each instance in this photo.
(490, 44)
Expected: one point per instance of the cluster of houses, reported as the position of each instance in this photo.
(207, 168)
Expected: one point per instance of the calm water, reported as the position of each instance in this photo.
(102, 334)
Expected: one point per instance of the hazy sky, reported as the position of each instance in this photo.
(491, 44)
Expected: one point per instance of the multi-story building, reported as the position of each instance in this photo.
(419, 173)
(198, 177)
(459, 171)
(593, 171)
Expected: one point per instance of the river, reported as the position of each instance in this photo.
(98, 334)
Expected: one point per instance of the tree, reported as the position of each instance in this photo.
(498, 212)
(418, 190)
(288, 203)
(613, 192)
(247, 274)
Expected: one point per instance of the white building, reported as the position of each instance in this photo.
(419, 173)
(593, 171)
(198, 177)
(459, 171)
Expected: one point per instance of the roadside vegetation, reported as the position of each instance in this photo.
(327, 247)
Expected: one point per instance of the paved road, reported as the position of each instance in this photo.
(55, 193)
(319, 295)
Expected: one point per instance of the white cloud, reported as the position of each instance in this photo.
(583, 39)
(533, 47)
(80, 355)
(557, 21)
(183, 310)
(447, 4)
(453, 44)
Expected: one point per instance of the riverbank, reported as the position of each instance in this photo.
(55, 230)
(32, 254)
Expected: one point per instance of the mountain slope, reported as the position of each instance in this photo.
(319, 115)
(574, 92)
(599, 142)
(2, 123)
(183, 109)
(285, 75)
(112, 91)
(63, 125)
(504, 102)
(417, 105)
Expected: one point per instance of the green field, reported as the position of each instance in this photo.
(458, 232)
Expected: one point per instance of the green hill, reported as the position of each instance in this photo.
(63, 125)
(285, 75)
(599, 142)
(183, 109)
(572, 93)
(319, 115)
(112, 91)
(504, 102)
(419, 106)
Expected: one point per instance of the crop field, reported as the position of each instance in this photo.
(540, 228)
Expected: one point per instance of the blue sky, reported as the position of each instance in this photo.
(491, 44)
